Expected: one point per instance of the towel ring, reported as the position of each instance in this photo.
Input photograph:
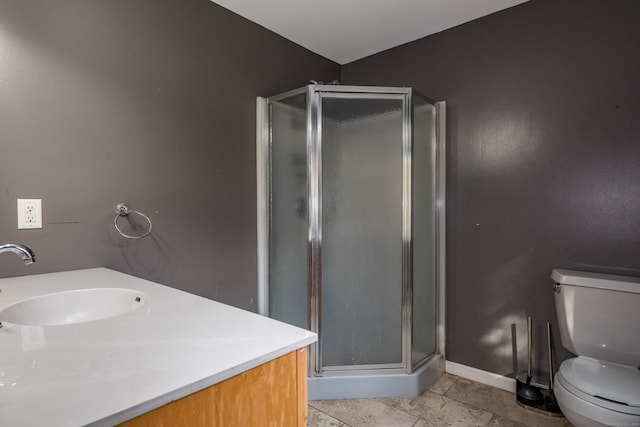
(123, 210)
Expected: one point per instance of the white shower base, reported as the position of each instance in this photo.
(370, 386)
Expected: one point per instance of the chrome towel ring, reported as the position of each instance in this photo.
(123, 210)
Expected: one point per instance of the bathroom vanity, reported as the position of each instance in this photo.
(101, 348)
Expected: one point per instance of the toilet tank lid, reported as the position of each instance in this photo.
(596, 280)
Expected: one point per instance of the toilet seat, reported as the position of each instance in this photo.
(582, 413)
(607, 385)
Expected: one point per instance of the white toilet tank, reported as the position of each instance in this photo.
(599, 315)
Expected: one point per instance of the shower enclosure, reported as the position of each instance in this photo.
(351, 233)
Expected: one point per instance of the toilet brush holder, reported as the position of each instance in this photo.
(550, 404)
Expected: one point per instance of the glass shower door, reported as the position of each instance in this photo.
(361, 146)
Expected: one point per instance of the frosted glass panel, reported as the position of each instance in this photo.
(361, 231)
(424, 227)
(288, 290)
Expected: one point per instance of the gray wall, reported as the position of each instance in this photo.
(153, 103)
(543, 158)
(150, 102)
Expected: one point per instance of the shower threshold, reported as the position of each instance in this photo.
(378, 385)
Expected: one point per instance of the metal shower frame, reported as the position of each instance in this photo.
(315, 94)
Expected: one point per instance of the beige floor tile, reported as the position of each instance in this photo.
(443, 384)
(437, 410)
(365, 413)
(499, 402)
(320, 419)
(498, 421)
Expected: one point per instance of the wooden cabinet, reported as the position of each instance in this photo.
(272, 394)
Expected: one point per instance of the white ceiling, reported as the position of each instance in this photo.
(347, 30)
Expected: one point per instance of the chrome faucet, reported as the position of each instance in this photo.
(24, 252)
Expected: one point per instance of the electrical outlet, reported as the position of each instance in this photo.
(29, 213)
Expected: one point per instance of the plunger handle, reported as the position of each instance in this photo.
(529, 321)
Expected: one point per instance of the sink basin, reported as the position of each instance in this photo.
(70, 307)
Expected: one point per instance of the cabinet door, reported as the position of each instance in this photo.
(272, 394)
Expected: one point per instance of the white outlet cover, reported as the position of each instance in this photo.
(29, 214)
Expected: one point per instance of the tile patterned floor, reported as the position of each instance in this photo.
(451, 401)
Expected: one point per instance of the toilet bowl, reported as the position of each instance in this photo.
(598, 317)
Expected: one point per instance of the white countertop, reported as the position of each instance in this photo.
(107, 371)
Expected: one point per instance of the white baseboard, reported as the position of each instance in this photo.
(478, 375)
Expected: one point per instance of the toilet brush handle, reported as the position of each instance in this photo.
(550, 356)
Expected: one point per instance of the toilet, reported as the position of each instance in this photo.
(599, 321)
